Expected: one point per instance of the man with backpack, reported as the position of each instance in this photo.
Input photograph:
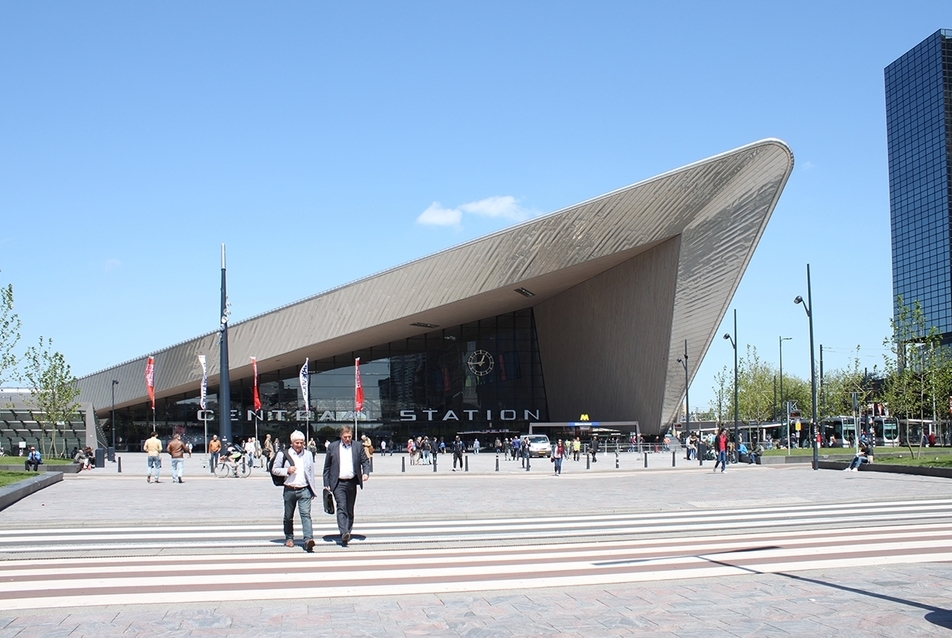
(296, 466)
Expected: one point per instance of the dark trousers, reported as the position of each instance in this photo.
(458, 456)
(300, 498)
(34, 465)
(345, 495)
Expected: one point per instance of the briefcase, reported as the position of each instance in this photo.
(328, 502)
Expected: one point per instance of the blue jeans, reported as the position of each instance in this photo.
(155, 463)
(213, 461)
(558, 465)
(302, 499)
(178, 468)
(722, 460)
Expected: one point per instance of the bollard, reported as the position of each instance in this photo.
(674, 462)
(434, 463)
(528, 456)
(403, 464)
(119, 459)
(497, 461)
(616, 459)
(371, 459)
(646, 459)
(466, 463)
(588, 461)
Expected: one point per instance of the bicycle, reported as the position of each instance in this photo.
(236, 464)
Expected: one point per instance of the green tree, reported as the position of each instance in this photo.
(755, 390)
(918, 369)
(53, 388)
(722, 395)
(840, 384)
(9, 333)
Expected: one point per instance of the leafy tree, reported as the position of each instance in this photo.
(919, 369)
(9, 332)
(839, 386)
(755, 391)
(722, 395)
(53, 387)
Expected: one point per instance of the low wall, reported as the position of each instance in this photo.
(21, 489)
(63, 468)
(942, 472)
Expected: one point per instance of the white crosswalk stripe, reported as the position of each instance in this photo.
(54, 567)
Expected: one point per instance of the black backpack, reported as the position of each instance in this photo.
(277, 480)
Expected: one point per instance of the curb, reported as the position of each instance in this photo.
(941, 472)
(65, 468)
(21, 489)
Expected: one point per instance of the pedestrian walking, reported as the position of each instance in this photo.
(177, 450)
(346, 467)
(458, 448)
(721, 445)
(153, 448)
(214, 449)
(296, 465)
(557, 457)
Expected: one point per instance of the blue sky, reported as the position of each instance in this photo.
(324, 142)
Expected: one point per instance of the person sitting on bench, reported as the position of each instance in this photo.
(33, 460)
(859, 459)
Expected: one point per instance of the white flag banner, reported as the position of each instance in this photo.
(201, 360)
(305, 380)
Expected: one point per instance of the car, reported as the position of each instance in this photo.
(539, 445)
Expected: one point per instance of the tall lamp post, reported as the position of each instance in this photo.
(782, 400)
(112, 419)
(687, 404)
(733, 341)
(808, 308)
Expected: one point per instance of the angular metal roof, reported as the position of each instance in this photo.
(716, 210)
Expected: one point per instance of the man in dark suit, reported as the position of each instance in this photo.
(346, 467)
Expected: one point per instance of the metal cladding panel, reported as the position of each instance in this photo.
(604, 343)
(717, 205)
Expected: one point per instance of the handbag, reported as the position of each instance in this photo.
(328, 502)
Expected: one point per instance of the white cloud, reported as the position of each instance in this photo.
(436, 215)
(111, 264)
(504, 206)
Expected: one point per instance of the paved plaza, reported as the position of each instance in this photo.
(876, 600)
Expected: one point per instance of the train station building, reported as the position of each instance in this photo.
(581, 311)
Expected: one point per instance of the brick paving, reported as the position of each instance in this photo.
(909, 599)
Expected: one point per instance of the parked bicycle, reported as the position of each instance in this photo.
(235, 463)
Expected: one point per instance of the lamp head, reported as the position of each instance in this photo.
(799, 299)
(680, 360)
(727, 336)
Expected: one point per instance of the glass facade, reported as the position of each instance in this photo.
(919, 137)
(480, 376)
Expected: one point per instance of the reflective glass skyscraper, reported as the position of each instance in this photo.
(919, 137)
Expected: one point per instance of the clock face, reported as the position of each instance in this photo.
(480, 363)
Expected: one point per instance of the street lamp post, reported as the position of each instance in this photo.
(733, 341)
(808, 307)
(687, 404)
(112, 419)
(782, 339)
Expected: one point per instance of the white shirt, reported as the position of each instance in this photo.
(299, 478)
(346, 469)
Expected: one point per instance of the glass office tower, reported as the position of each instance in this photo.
(919, 138)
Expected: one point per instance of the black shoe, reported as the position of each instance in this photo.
(180, 480)
(345, 538)
(309, 545)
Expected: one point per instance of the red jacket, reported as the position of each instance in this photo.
(721, 443)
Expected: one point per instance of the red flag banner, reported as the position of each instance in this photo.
(358, 389)
(150, 380)
(254, 388)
